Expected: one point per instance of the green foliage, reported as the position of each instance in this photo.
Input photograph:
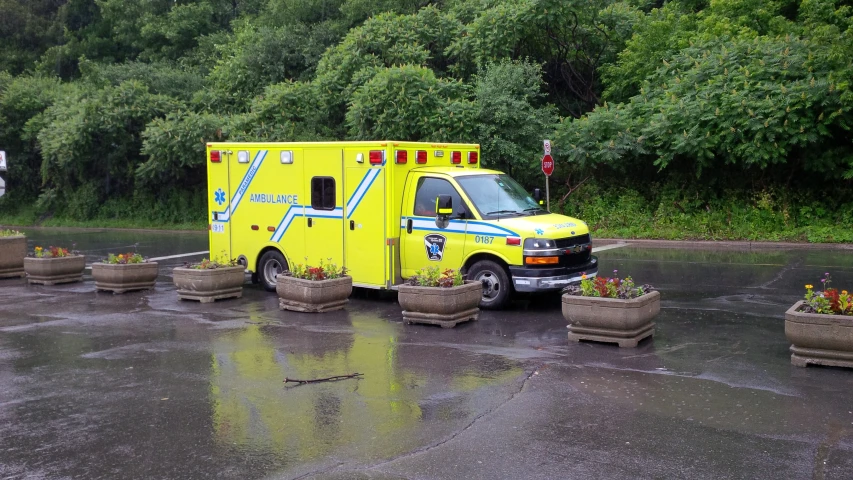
(571, 38)
(160, 77)
(744, 102)
(22, 101)
(435, 277)
(512, 117)
(175, 147)
(92, 140)
(261, 56)
(410, 103)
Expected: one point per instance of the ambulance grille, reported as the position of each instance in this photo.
(572, 241)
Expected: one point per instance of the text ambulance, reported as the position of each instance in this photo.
(384, 210)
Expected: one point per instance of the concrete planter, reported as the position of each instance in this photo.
(13, 250)
(441, 306)
(118, 278)
(819, 339)
(209, 285)
(315, 296)
(55, 270)
(611, 320)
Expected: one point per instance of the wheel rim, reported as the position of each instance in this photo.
(491, 285)
(271, 269)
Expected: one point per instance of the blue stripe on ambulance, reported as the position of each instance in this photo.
(295, 211)
(474, 227)
(224, 216)
(361, 190)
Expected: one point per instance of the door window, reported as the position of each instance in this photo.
(428, 189)
(323, 193)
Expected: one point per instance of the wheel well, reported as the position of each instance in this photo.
(483, 256)
(265, 250)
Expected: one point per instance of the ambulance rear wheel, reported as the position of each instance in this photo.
(496, 287)
(271, 264)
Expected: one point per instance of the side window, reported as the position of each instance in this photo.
(428, 190)
(323, 193)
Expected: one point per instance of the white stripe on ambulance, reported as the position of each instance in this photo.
(458, 226)
(244, 185)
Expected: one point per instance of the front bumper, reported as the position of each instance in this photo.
(550, 279)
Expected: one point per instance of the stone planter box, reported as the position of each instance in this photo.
(52, 271)
(118, 278)
(818, 338)
(13, 250)
(441, 306)
(315, 296)
(209, 285)
(611, 320)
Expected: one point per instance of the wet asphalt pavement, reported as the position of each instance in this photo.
(142, 385)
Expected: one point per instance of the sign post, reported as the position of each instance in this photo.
(547, 169)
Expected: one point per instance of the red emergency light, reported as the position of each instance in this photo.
(456, 158)
(421, 157)
(376, 157)
(401, 156)
(215, 156)
(513, 241)
(473, 157)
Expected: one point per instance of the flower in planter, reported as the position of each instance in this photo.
(124, 259)
(52, 252)
(324, 271)
(435, 277)
(829, 301)
(605, 287)
(11, 233)
(221, 261)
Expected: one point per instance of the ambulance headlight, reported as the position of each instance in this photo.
(539, 244)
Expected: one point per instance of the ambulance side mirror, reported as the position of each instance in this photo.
(537, 195)
(443, 210)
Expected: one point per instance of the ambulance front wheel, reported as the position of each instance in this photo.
(496, 287)
(271, 264)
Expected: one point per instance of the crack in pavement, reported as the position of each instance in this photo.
(782, 272)
(459, 432)
(823, 450)
(422, 450)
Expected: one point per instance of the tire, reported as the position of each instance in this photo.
(497, 288)
(271, 264)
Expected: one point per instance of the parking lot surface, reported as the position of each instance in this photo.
(142, 385)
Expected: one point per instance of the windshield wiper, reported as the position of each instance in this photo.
(498, 212)
(534, 209)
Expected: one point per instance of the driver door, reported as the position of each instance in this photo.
(423, 243)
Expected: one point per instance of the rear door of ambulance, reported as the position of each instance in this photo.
(219, 200)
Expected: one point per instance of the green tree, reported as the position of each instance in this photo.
(91, 143)
(512, 117)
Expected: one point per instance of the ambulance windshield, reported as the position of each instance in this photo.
(496, 196)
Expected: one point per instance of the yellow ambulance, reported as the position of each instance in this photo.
(384, 210)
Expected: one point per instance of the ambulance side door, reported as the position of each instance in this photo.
(423, 243)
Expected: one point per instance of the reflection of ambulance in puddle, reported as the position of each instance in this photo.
(385, 210)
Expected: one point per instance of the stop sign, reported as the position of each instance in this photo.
(547, 165)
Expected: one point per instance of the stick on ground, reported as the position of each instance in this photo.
(327, 379)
